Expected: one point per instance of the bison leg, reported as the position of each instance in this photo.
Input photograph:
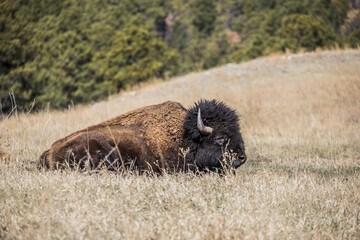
(101, 150)
(115, 148)
(43, 161)
(78, 150)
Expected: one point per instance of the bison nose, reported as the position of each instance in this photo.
(242, 158)
(236, 164)
(239, 161)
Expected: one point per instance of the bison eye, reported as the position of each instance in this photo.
(220, 140)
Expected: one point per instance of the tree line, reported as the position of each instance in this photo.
(55, 53)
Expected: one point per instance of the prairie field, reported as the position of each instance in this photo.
(300, 119)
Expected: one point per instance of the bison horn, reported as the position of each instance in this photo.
(200, 125)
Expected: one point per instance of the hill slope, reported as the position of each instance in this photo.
(301, 124)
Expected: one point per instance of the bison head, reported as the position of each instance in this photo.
(213, 133)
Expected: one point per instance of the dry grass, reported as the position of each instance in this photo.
(301, 124)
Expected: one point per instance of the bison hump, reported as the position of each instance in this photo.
(162, 125)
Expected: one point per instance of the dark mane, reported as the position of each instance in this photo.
(214, 114)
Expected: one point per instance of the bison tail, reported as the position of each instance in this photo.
(43, 161)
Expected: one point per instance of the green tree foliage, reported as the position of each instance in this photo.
(178, 37)
(354, 39)
(217, 50)
(332, 11)
(303, 31)
(204, 15)
(253, 47)
(136, 55)
(53, 53)
(59, 53)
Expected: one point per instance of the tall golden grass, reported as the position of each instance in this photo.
(300, 118)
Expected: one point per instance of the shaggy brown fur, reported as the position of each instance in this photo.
(147, 138)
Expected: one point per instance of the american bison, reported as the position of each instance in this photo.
(164, 137)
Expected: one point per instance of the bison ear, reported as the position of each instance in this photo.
(200, 125)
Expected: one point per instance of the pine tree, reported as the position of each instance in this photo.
(204, 15)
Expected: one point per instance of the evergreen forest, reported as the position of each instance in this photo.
(57, 53)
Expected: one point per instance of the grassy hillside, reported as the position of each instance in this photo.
(300, 118)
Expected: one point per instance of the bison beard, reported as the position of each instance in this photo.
(165, 137)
